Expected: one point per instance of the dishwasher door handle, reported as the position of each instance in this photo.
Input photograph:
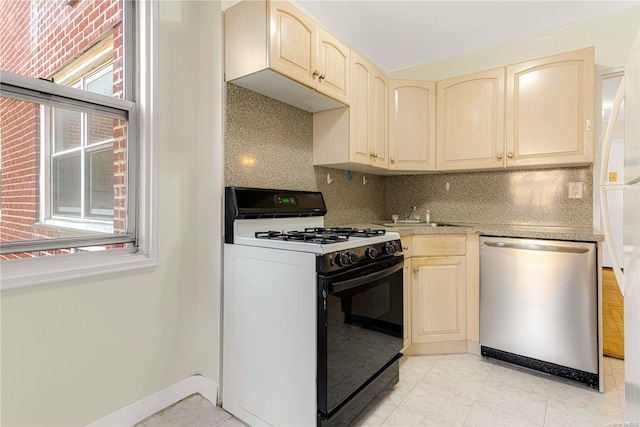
(533, 247)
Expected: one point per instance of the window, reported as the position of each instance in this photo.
(81, 161)
(77, 134)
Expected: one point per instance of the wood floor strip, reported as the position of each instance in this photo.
(612, 316)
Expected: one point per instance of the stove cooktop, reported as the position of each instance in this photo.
(320, 235)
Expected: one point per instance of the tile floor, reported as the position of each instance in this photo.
(458, 390)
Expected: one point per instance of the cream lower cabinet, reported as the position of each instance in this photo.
(406, 292)
(438, 298)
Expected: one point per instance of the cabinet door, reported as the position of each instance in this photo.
(379, 118)
(359, 117)
(406, 288)
(412, 125)
(406, 304)
(438, 299)
(334, 64)
(470, 113)
(293, 42)
(549, 111)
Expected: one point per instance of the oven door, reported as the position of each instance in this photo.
(359, 329)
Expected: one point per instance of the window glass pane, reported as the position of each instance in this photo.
(66, 185)
(99, 188)
(48, 193)
(102, 84)
(67, 129)
(99, 128)
(63, 40)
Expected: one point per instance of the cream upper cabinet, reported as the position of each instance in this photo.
(333, 67)
(470, 121)
(305, 52)
(550, 110)
(274, 49)
(368, 139)
(293, 42)
(356, 135)
(412, 127)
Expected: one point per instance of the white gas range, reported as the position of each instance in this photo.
(312, 315)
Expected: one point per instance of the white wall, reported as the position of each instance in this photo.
(76, 351)
(611, 34)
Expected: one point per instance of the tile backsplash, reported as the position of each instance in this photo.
(522, 197)
(269, 144)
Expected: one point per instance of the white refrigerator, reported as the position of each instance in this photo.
(631, 235)
(629, 281)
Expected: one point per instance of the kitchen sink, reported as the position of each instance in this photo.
(412, 223)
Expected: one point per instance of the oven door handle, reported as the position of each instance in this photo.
(360, 281)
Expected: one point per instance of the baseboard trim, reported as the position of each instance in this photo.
(138, 411)
(473, 348)
(441, 347)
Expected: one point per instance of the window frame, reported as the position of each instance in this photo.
(143, 127)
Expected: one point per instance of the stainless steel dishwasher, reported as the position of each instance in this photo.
(539, 305)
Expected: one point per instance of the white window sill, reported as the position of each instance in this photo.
(22, 273)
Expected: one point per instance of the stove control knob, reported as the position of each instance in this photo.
(371, 253)
(353, 258)
(342, 260)
(388, 249)
(396, 247)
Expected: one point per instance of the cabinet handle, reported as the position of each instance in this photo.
(510, 155)
(500, 156)
(416, 270)
(393, 160)
(405, 248)
(322, 77)
(374, 155)
(316, 73)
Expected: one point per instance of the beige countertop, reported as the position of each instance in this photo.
(582, 234)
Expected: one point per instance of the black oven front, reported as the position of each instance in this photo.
(360, 326)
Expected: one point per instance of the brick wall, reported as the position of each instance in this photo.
(37, 39)
(40, 36)
(20, 169)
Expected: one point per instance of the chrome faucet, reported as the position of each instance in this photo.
(412, 209)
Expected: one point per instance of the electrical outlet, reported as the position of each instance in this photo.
(575, 190)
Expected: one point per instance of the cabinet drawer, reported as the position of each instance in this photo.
(406, 246)
(438, 245)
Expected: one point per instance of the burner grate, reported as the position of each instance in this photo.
(319, 234)
(307, 236)
(343, 231)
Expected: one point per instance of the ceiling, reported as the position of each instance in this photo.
(399, 34)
